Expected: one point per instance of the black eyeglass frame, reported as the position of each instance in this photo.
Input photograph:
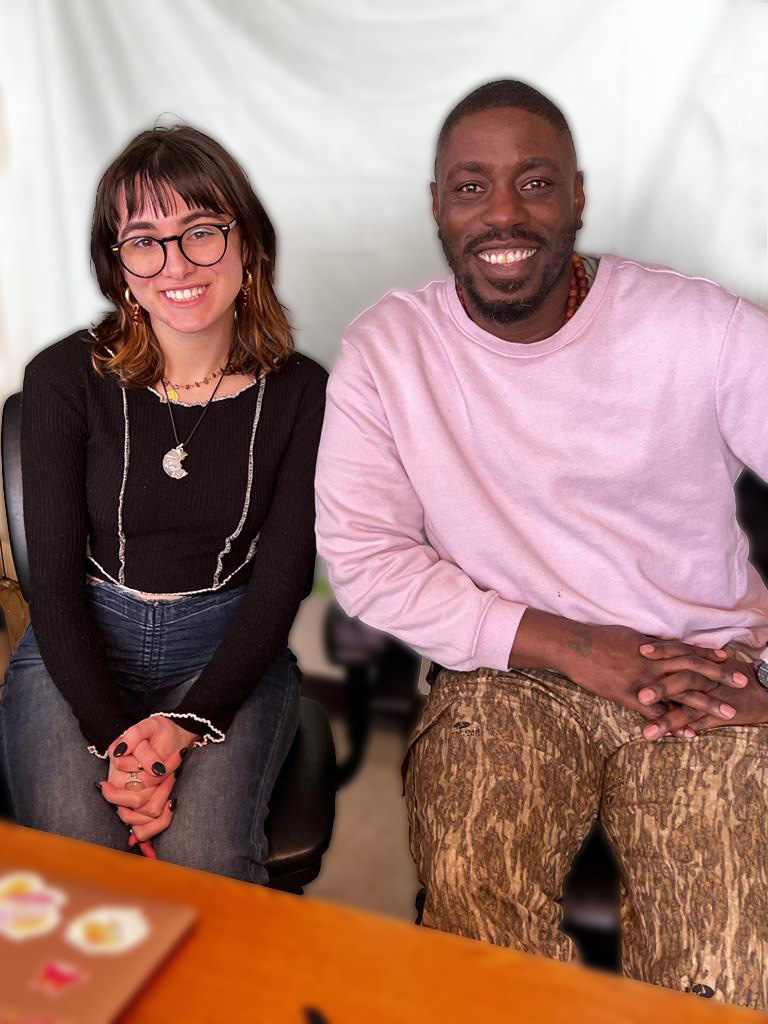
(223, 228)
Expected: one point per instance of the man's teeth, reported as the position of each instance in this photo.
(184, 293)
(505, 255)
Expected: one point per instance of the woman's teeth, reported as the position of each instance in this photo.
(505, 255)
(181, 294)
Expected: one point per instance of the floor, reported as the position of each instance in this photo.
(368, 865)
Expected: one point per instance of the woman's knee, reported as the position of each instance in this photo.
(76, 816)
(216, 850)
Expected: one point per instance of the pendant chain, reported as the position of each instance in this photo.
(183, 444)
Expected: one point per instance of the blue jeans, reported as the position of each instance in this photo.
(156, 651)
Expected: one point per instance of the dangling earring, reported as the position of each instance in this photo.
(135, 308)
(245, 290)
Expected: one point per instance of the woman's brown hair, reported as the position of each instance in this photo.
(183, 159)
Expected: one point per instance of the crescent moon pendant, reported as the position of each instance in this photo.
(172, 463)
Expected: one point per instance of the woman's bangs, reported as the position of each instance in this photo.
(152, 189)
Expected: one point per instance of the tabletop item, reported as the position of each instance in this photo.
(75, 953)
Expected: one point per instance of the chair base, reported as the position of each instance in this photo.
(295, 881)
(279, 886)
(421, 899)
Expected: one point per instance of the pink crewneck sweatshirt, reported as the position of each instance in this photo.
(462, 478)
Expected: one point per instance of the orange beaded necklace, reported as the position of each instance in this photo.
(579, 286)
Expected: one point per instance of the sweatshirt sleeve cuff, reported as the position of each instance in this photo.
(497, 633)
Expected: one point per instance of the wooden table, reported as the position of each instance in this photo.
(262, 956)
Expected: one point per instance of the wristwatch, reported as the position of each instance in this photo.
(761, 671)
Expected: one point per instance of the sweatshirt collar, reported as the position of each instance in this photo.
(521, 350)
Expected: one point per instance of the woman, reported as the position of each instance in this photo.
(168, 459)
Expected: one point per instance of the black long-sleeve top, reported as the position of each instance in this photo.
(97, 501)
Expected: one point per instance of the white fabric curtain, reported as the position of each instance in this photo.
(333, 107)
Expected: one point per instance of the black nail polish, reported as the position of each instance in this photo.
(183, 753)
(120, 749)
(158, 768)
(172, 804)
(98, 786)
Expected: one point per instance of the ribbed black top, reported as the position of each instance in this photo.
(177, 535)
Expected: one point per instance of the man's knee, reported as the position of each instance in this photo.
(468, 895)
(460, 896)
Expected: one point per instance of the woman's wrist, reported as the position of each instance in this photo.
(208, 733)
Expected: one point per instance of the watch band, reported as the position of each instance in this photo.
(761, 671)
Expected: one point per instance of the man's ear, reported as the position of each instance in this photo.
(435, 202)
(579, 199)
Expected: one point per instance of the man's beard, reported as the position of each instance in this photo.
(510, 310)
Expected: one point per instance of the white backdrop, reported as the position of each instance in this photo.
(333, 107)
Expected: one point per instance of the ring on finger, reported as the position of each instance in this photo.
(134, 782)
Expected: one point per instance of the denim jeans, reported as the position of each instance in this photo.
(156, 651)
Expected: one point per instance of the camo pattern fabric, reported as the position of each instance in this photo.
(506, 772)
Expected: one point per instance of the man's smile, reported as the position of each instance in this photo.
(505, 256)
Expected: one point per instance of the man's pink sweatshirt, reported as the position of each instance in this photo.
(462, 478)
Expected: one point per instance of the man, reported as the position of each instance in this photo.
(527, 474)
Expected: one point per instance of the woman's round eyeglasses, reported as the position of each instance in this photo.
(202, 244)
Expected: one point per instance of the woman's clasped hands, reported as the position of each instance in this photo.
(144, 763)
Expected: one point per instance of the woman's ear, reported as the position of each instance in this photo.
(249, 259)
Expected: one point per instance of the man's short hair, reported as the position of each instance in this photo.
(505, 93)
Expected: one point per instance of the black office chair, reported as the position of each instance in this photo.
(304, 798)
(381, 682)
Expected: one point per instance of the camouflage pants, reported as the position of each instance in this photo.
(505, 774)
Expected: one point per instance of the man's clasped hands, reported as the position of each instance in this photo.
(151, 753)
(681, 689)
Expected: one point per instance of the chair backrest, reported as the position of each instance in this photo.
(14, 501)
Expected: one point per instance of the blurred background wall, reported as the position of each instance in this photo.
(333, 107)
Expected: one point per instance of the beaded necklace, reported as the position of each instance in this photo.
(579, 286)
(172, 390)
